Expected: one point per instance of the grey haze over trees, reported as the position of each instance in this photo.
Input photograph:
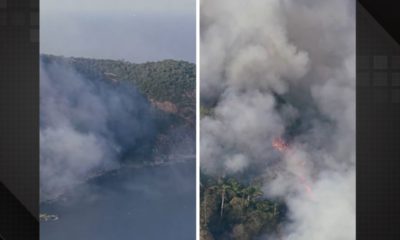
(86, 126)
(98, 115)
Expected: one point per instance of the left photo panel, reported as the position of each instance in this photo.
(117, 119)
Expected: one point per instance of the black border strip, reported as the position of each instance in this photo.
(378, 120)
(19, 119)
(16, 221)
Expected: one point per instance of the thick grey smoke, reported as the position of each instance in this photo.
(86, 126)
(284, 69)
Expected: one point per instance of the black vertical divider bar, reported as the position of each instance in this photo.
(377, 120)
(19, 119)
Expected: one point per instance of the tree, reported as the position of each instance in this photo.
(232, 210)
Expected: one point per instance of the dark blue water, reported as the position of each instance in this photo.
(146, 203)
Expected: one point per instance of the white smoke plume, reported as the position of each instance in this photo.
(86, 126)
(284, 69)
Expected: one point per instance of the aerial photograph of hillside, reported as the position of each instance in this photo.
(117, 119)
(277, 128)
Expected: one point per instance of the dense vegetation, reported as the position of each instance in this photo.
(170, 84)
(231, 210)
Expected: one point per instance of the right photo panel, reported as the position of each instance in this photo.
(277, 129)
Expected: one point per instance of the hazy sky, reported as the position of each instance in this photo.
(134, 30)
(119, 6)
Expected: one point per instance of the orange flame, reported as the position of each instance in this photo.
(307, 187)
(280, 145)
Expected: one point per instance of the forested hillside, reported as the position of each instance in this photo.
(170, 85)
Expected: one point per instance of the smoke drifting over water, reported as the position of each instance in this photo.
(284, 69)
(86, 126)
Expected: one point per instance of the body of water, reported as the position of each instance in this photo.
(145, 203)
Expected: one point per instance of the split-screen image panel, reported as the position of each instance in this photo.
(277, 129)
(199, 119)
(117, 119)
